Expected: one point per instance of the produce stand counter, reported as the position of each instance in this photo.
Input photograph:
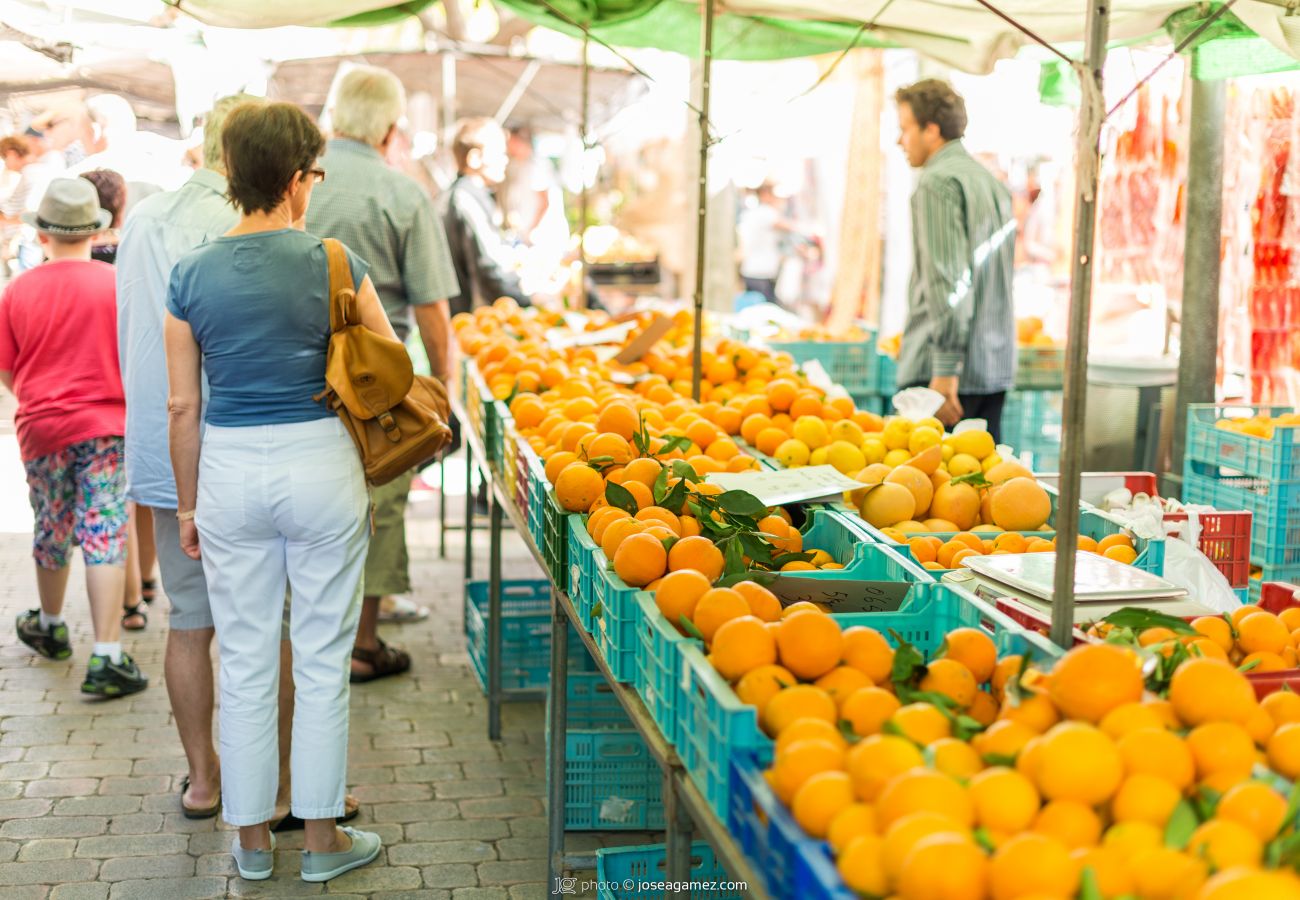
(685, 808)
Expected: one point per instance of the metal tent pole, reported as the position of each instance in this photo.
(1087, 162)
(702, 212)
(584, 208)
(1199, 337)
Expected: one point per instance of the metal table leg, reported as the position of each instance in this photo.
(678, 829)
(469, 514)
(494, 617)
(557, 722)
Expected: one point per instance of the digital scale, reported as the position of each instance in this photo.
(1021, 585)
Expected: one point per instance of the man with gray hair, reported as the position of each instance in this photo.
(389, 221)
(158, 232)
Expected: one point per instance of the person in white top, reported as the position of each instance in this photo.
(761, 234)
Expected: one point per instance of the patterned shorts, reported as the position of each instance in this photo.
(79, 496)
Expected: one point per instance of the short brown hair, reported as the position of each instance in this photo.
(111, 188)
(265, 145)
(469, 136)
(15, 144)
(935, 101)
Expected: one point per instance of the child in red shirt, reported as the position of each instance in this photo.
(58, 354)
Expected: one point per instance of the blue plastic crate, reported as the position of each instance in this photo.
(611, 780)
(792, 864)
(525, 634)
(538, 488)
(851, 364)
(1274, 507)
(1040, 368)
(615, 618)
(1275, 459)
(845, 537)
(585, 563)
(887, 377)
(645, 869)
(659, 665)
(1031, 425)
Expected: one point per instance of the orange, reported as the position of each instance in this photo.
(1120, 554)
(944, 867)
(1290, 617)
(610, 445)
(1244, 883)
(1073, 824)
(644, 470)
(806, 403)
(806, 728)
(809, 645)
(862, 866)
(1216, 628)
(620, 419)
(924, 790)
(769, 439)
(874, 761)
(578, 486)
(1004, 800)
(640, 493)
(618, 531)
(1208, 648)
(1010, 541)
(1152, 636)
(760, 684)
(557, 462)
(1224, 844)
(597, 521)
(1078, 762)
(983, 709)
(944, 556)
(1007, 667)
(959, 558)
(640, 559)
(1284, 750)
(741, 645)
(698, 553)
(1166, 874)
(1114, 540)
(867, 650)
(973, 649)
(841, 682)
(658, 515)
(924, 549)
(1003, 739)
(1092, 679)
(798, 701)
(921, 723)
(762, 602)
(1032, 865)
(820, 799)
(902, 836)
(781, 393)
(1262, 632)
(1282, 707)
(1157, 752)
(1132, 839)
(1109, 869)
(717, 606)
(951, 679)
(752, 425)
(1020, 504)
(1210, 690)
(801, 761)
(855, 820)
(1034, 710)
(955, 758)
(866, 710)
(1255, 805)
(1223, 750)
(679, 592)
(1130, 717)
(1145, 798)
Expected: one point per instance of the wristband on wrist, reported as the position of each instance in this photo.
(186, 516)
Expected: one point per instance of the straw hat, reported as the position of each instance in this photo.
(70, 208)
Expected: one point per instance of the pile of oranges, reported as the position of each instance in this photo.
(1259, 426)
(937, 554)
(1252, 638)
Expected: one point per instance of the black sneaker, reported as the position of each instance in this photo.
(52, 642)
(106, 678)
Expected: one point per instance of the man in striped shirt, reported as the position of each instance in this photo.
(960, 335)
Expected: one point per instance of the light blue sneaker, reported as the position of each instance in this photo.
(253, 865)
(324, 866)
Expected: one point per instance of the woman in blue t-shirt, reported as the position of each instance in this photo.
(271, 487)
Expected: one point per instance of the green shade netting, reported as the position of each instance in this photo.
(1227, 49)
(385, 16)
(675, 26)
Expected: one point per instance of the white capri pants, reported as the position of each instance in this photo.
(281, 503)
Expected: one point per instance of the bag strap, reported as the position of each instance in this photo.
(343, 293)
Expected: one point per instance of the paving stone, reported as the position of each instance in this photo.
(215, 842)
(127, 868)
(27, 892)
(427, 772)
(440, 852)
(412, 895)
(216, 864)
(371, 775)
(136, 823)
(414, 812)
(9, 851)
(418, 740)
(479, 893)
(18, 708)
(458, 829)
(83, 890)
(45, 723)
(170, 888)
(449, 876)
(54, 826)
(23, 771)
(278, 886)
(498, 769)
(62, 787)
(89, 768)
(468, 751)
(109, 846)
(457, 790)
(96, 806)
(526, 787)
(143, 784)
(57, 752)
(511, 872)
(176, 823)
(50, 871)
(169, 802)
(532, 891)
(376, 878)
(522, 848)
(11, 790)
(497, 807)
(47, 848)
(392, 793)
(384, 758)
(165, 766)
(24, 809)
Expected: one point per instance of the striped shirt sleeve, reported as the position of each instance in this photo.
(944, 272)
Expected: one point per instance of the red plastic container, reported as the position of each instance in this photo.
(1275, 596)
(1225, 540)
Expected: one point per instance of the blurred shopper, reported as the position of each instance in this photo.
(960, 334)
(150, 163)
(473, 220)
(532, 198)
(159, 232)
(388, 219)
(70, 422)
(111, 188)
(760, 234)
(278, 493)
(43, 165)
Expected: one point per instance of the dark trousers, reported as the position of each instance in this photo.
(981, 406)
(764, 286)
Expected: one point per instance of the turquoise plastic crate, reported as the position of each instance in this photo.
(851, 364)
(614, 621)
(1040, 368)
(485, 413)
(791, 864)
(538, 488)
(525, 634)
(1275, 459)
(555, 540)
(845, 536)
(611, 782)
(644, 870)
(1274, 508)
(887, 376)
(585, 563)
(659, 665)
(1031, 424)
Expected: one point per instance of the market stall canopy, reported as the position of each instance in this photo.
(962, 33)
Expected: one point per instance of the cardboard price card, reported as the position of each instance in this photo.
(840, 596)
(787, 485)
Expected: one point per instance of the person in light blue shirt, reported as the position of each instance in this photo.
(270, 487)
(158, 232)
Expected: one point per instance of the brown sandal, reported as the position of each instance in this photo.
(383, 662)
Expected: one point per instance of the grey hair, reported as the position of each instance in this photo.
(369, 102)
(213, 157)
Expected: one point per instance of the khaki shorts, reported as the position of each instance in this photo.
(387, 563)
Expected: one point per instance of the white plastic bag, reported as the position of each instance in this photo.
(1188, 567)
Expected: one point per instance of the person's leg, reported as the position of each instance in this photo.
(987, 407)
(387, 571)
(187, 663)
(101, 530)
(133, 618)
(148, 553)
(52, 491)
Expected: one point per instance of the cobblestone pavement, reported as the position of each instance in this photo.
(89, 802)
